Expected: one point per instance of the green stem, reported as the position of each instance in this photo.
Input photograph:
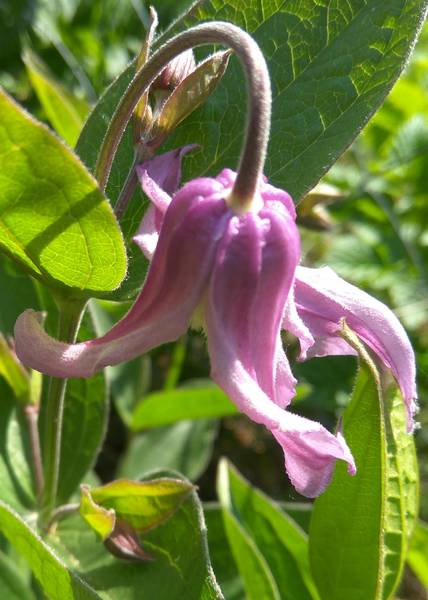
(70, 314)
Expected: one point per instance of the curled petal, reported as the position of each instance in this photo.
(310, 453)
(323, 299)
(175, 282)
(160, 176)
(293, 323)
(160, 179)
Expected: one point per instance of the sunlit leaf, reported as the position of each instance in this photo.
(55, 222)
(361, 525)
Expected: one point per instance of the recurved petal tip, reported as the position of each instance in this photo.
(310, 454)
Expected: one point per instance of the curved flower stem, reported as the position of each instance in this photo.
(70, 314)
(31, 413)
(259, 102)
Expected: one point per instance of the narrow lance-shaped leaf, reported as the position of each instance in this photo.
(65, 112)
(280, 540)
(361, 525)
(169, 406)
(55, 222)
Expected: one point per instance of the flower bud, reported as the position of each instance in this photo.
(123, 543)
(174, 73)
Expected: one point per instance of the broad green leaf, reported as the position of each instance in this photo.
(256, 576)
(325, 86)
(224, 564)
(12, 582)
(361, 525)
(57, 582)
(142, 504)
(55, 222)
(65, 112)
(417, 557)
(282, 543)
(85, 422)
(16, 487)
(185, 446)
(180, 569)
(165, 407)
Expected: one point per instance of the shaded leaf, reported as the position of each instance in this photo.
(57, 582)
(224, 564)
(85, 422)
(169, 406)
(280, 540)
(256, 577)
(180, 569)
(16, 486)
(185, 446)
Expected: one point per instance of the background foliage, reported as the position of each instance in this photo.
(371, 228)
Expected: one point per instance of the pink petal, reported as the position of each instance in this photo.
(253, 273)
(175, 283)
(147, 235)
(323, 299)
(160, 178)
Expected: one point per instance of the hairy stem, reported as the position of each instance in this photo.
(259, 101)
(70, 314)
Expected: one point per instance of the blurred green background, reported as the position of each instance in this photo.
(371, 227)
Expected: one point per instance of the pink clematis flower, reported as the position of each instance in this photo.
(318, 300)
(236, 273)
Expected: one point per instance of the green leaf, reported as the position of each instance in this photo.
(325, 86)
(417, 557)
(101, 520)
(165, 407)
(65, 112)
(180, 569)
(55, 222)
(85, 421)
(256, 577)
(57, 582)
(282, 543)
(185, 446)
(144, 504)
(16, 486)
(12, 582)
(361, 525)
(224, 564)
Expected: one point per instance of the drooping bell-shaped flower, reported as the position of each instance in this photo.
(235, 271)
(317, 302)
